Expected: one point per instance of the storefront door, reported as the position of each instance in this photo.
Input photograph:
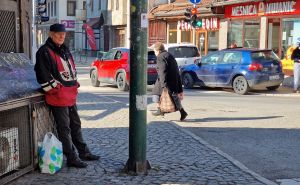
(201, 42)
(274, 35)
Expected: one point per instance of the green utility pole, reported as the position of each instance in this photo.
(138, 86)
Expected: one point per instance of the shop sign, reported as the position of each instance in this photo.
(68, 23)
(207, 24)
(268, 8)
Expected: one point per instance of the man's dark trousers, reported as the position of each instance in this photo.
(68, 126)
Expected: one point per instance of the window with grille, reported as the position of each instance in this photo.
(8, 31)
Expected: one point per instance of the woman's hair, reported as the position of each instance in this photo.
(159, 46)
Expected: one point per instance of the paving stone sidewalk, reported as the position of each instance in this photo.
(176, 156)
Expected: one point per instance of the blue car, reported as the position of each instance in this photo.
(240, 68)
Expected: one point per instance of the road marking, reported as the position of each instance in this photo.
(289, 181)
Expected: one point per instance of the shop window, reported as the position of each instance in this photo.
(251, 34)
(244, 34)
(290, 34)
(235, 35)
(273, 35)
(186, 36)
(172, 32)
(213, 41)
(173, 37)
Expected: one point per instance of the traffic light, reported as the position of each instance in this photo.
(188, 14)
(194, 17)
(198, 22)
(41, 11)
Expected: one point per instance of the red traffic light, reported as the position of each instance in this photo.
(194, 11)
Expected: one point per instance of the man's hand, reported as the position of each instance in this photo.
(180, 96)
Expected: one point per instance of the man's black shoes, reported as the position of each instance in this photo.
(89, 157)
(77, 163)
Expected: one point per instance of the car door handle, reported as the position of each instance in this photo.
(233, 67)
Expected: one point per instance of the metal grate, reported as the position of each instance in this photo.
(8, 31)
(9, 150)
(15, 123)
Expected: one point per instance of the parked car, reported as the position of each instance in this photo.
(240, 68)
(184, 53)
(113, 68)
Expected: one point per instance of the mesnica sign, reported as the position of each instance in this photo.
(263, 8)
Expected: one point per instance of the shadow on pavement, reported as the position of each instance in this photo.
(101, 104)
(214, 119)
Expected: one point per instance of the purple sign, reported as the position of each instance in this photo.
(68, 23)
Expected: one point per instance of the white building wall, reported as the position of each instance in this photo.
(79, 35)
(263, 33)
(223, 34)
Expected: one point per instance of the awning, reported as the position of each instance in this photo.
(96, 22)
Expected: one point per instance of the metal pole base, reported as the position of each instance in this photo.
(137, 168)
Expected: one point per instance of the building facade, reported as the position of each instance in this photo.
(261, 24)
(63, 12)
(166, 24)
(267, 24)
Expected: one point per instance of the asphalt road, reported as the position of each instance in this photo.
(262, 132)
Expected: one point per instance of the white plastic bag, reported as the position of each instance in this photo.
(50, 154)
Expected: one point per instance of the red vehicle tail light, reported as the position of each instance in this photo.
(255, 67)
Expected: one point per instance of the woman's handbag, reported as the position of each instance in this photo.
(166, 103)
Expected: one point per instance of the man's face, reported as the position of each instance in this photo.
(58, 37)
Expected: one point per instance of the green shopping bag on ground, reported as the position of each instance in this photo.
(50, 154)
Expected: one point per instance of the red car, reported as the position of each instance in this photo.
(113, 68)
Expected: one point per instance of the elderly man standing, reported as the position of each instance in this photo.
(56, 73)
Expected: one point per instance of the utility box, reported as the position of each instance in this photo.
(24, 116)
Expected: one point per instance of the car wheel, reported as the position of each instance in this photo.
(94, 78)
(273, 87)
(240, 85)
(187, 80)
(121, 82)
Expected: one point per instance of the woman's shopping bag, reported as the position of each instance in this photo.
(50, 154)
(166, 103)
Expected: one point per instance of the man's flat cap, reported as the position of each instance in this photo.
(58, 28)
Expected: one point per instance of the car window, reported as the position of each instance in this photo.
(232, 57)
(263, 56)
(118, 55)
(109, 55)
(184, 52)
(211, 59)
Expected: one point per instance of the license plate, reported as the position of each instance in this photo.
(274, 77)
(151, 65)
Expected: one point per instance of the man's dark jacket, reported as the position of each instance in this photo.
(168, 74)
(56, 73)
(296, 55)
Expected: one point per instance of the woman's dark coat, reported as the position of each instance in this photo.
(168, 74)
